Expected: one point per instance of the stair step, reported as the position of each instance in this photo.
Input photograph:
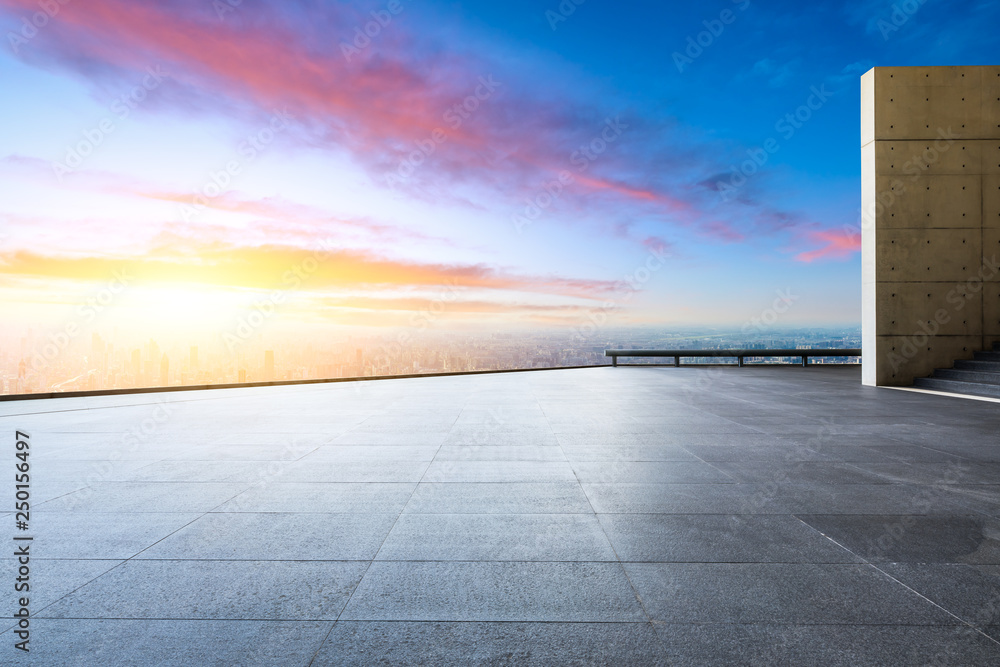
(987, 356)
(978, 365)
(982, 377)
(958, 387)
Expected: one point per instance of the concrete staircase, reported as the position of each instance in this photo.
(977, 377)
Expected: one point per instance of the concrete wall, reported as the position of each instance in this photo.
(930, 189)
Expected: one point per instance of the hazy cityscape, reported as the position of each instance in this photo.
(40, 362)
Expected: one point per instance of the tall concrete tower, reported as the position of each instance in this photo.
(930, 168)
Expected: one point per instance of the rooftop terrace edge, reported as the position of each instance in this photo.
(283, 383)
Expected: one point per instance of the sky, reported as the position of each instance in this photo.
(173, 165)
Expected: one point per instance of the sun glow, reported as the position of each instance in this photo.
(177, 308)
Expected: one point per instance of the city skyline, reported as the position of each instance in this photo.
(108, 361)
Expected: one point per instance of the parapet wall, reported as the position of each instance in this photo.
(930, 170)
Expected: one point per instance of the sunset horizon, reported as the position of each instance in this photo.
(175, 170)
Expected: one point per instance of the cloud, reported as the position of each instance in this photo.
(777, 74)
(284, 267)
(455, 306)
(305, 222)
(478, 123)
(657, 244)
(264, 217)
(836, 244)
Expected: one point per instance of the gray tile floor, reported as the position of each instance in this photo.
(694, 516)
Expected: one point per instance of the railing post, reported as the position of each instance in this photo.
(805, 360)
(677, 360)
(739, 360)
(614, 360)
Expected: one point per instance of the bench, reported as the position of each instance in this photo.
(739, 354)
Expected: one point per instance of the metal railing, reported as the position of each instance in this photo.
(740, 355)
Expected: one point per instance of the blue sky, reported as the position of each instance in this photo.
(526, 158)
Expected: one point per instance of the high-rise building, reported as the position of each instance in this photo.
(164, 371)
(193, 362)
(269, 365)
(97, 353)
(137, 366)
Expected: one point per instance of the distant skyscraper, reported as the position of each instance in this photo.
(243, 375)
(97, 350)
(269, 365)
(194, 358)
(137, 366)
(164, 371)
(154, 353)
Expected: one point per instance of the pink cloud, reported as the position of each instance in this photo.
(384, 102)
(295, 219)
(379, 104)
(835, 245)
